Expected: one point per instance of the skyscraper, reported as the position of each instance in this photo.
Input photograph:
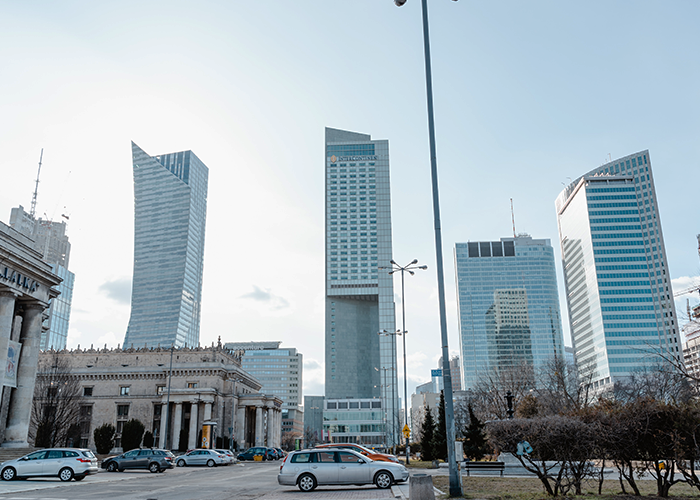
(360, 363)
(617, 279)
(51, 241)
(170, 208)
(509, 315)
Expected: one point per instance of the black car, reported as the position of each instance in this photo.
(151, 459)
(250, 453)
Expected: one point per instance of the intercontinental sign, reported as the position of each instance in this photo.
(353, 158)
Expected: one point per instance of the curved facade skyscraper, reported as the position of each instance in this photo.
(170, 208)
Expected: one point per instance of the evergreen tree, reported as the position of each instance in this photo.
(104, 438)
(148, 439)
(427, 436)
(132, 432)
(475, 446)
(440, 439)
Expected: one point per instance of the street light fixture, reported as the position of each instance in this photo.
(410, 268)
(455, 482)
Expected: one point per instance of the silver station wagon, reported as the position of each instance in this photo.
(310, 468)
(65, 463)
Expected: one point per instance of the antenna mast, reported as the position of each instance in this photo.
(32, 212)
(512, 216)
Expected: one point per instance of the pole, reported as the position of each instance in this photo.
(405, 389)
(394, 416)
(167, 404)
(455, 483)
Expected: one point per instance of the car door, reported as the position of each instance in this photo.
(325, 467)
(353, 469)
(52, 463)
(143, 459)
(198, 457)
(32, 464)
(128, 460)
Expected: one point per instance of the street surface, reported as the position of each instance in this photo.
(250, 480)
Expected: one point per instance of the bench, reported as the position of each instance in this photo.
(484, 466)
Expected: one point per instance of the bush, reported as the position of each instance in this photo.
(73, 436)
(132, 434)
(104, 438)
(148, 439)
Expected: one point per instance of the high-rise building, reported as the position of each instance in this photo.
(360, 363)
(618, 286)
(509, 315)
(170, 208)
(51, 241)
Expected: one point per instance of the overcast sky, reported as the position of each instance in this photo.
(527, 96)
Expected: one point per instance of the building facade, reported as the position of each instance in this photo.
(509, 316)
(313, 420)
(170, 209)
(360, 364)
(616, 272)
(279, 370)
(51, 241)
(27, 286)
(205, 385)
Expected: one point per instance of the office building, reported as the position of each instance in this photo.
(50, 240)
(509, 315)
(616, 273)
(360, 363)
(170, 208)
(279, 370)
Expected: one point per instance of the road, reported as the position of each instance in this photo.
(250, 480)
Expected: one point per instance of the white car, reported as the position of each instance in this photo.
(65, 463)
(228, 456)
(210, 458)
(310, 468)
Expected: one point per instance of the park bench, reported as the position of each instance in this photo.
(484, 466)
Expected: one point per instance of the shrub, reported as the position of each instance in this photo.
(104, 438)
(148, 439)
(132, 434)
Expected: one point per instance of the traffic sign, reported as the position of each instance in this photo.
(406, 432)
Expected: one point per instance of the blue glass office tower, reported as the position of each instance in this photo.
(617, 279)
(170, 208)
(509, 315)
(360, 364)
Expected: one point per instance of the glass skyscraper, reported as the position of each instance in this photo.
(360, 363)
(620, 300)
(509, 316)
(170, 208)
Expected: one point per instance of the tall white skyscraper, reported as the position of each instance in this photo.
(616, 272)
(361, 370)
(170, 211)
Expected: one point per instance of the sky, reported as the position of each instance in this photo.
(528, 95)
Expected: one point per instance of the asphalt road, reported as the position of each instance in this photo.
(243, 481)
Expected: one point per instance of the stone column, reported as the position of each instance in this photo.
(259, 438)
(270, 427)
(21, 402)
(177, 425)
(207, 412)
(192, 441)
(164, 424)
(239, 430)
(278, 429)
(7, 316)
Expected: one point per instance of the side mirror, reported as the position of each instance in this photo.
(23, 459)
(360, 461)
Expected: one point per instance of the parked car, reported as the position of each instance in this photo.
(276, 455)
(210, 458)
(310, 468)
(228, 456)
(66, 463)
(281, 452)
(374, 455)
(152, 459)
(250, 453)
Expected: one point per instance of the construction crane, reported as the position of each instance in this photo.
(695, 288)
(32, 212)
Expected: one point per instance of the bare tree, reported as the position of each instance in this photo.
(562, 388)
(56, 404)
(489, 394)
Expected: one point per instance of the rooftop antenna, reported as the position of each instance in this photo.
(32, 212)
(512, 216)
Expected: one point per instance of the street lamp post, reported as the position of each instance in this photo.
(394, 415)
(394, 268)
(167, 404)
(455, 483)
(382, 389)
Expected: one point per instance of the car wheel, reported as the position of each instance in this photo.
(112, 467)
(65, 474)
(181, 463)
(79, 478)
(9, 473)
(154, 467)
(307, 482)
(210, 463)
(383, 479)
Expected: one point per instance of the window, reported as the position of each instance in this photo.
(124, 390)
(160, 389)
(122, 411)
(87, 391)
(191, 385)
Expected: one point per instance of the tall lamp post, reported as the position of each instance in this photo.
(455, 482)
(167, 403)
(394, 268)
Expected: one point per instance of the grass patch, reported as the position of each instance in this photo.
(516, 488)
(416, 464)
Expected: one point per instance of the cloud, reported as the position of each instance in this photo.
(314, 377)
(311, 364)
(118, 290)
(266, 296)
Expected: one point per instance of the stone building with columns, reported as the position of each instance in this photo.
(204, 386)
(26, 289)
